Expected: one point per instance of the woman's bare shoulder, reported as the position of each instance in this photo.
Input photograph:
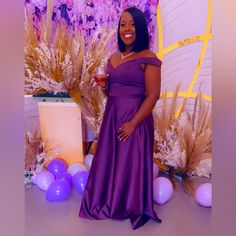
(149, 53)
(115, 55)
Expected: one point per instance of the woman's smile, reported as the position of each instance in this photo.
(128, 35)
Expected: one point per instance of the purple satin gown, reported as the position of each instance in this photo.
(120, 183)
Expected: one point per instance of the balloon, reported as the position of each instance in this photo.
(65, 176)
(57, 166)
(80, 180)
(75, 167)
(58, 191)
(44, 179)
(203, 194)
(162, 189)
(33, 178)
(155, 170)
(88, 161)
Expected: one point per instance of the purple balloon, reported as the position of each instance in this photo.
(65, 176)
(75, 167)
(79, 180)
(162, 190)
(57, 166)
(204, 195)
(58, 191)
(44, 179)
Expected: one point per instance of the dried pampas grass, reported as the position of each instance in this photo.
(60, 62)
(92, 103)
(33, 146)
(36, 158)
(182, 142)
(53, 61)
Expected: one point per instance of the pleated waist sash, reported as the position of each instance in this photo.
(126, 90)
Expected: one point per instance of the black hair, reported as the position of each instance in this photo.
(141, 29)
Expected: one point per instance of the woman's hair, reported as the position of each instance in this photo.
(142, 35)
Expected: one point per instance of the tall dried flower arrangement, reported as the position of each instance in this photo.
(35, 157)
(53, 61)
(93, 101)
(59, 62)
(183, 143)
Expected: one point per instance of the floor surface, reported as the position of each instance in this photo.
(181, 216)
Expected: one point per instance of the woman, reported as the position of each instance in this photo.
(120, 184)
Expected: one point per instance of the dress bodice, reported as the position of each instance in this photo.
(128, 77)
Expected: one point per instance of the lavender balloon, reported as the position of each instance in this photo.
(34, 179)
(162, 190)
(58, 191)
(80, 180)
(155, 170)
(75, 167)
(88, 160)
(204, 194)
(57, 166)
(44, 179)
(65, 176)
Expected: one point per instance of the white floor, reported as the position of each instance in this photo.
(181, 216)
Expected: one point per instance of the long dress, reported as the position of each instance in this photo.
(120, 183)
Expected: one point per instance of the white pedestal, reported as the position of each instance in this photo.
(60, 125)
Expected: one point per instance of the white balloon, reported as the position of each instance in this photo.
(155, 170)
(88, 160)
(34, 179)
(162, 190)
(204, 194)
(75, 167)
(44, 179)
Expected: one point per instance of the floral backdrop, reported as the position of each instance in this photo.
(88, 15)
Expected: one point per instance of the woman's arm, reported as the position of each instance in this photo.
(153, 85)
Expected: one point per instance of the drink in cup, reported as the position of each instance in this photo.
(100, 75)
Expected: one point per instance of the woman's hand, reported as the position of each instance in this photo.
(126, 130)
(101, 80)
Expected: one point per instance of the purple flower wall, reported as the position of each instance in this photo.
(88, 15)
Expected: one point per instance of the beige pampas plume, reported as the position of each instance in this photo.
(92, 103)
(53, 61)
(183, 141)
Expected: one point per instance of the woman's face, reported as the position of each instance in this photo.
(127, 29)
